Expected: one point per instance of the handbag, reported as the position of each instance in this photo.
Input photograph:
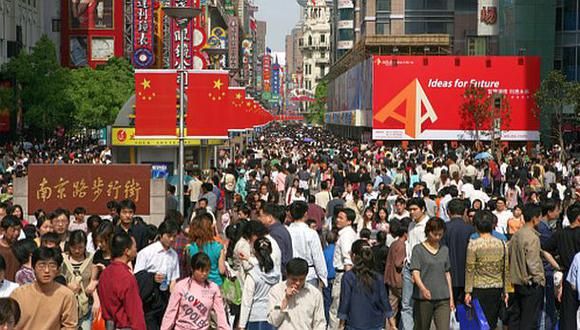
(232, 291)
(453, 323)
(504, 314)
(472, 318)
(99, 322)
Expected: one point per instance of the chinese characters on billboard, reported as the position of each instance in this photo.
(90, 186)
(143, 33)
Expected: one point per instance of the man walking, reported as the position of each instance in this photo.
(527, 271)
(118, 289)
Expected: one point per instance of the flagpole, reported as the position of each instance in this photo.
(182, 16)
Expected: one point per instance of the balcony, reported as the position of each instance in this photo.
(315, 46)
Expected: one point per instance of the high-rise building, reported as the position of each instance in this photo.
(293, 54)
(21, 26)
(342, 27)
(315, 45)
(261, 28)
(527, 28)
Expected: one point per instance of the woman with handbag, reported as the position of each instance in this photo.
(193, 298)
(259, 281)
(80, 275)
(486, 269)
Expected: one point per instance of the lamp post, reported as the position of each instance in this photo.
(182, 16)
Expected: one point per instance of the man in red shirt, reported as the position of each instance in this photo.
(118, 289)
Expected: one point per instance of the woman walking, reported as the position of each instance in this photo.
(259, 281)
(432, 291)
(193, 298)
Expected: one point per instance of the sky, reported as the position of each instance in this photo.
(281, 16)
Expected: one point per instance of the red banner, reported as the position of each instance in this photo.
(267, 72)
(420, 97)
(143, 26)
(208, 109)
(155, 102)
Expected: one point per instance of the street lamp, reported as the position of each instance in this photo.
(182, 16)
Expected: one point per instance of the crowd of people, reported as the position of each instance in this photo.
(306, 230)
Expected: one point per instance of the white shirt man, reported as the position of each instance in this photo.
(503, 215)
(306, 245)
(160, 258)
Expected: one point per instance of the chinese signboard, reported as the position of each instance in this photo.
(233, 50)
(89, 186)
(125, 137)
(267, 72)
(143, 28)
(420, 98)
(194, 38)
(487, 18)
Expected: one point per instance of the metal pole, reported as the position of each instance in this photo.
(215, 156)
(181, 118)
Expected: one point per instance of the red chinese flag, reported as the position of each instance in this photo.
(242, 118)
(155, 102)
(208, 108)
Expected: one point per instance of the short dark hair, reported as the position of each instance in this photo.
(112, 205)
(60, 211)
(403, 226)
(9, 311)
(323, 185)
(298, 209)
(171, 189)
(548, 206)
(23, 250)
(531, 211)
(297, 267)
(50, 237)
(573, 212)
(350, 215)
(484, 221)
(80, 210)
(126, 204)
(46, 254)
(419, 202)
(119, 243)
(456, 207)
(365, 233)
(77, 237)
(271, 209)
(10, 221)
(254, 227)
(168, 227)
(434, 224)
(200, 260)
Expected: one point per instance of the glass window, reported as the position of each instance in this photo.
(345, 34)
(383, 28)
(569, 62)
(384, 5)
(427, 4)
(559, 19)
(345, 14)
(570, 14)
(322, 38)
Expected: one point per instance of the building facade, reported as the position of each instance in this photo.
(315, 45)
(342, 27)
(21, 26)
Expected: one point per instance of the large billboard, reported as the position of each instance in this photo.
(420, 97)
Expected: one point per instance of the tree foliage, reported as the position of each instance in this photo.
(52, 96)
(554, 97)
(318, 108)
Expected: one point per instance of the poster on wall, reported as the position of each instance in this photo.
(91, 14)
(420, 98)
(78, 51)
(102, 49)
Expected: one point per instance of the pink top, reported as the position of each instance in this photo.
(190, 304)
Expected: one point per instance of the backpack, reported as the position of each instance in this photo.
(82, 298)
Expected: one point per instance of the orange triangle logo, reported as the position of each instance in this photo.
(414, 98)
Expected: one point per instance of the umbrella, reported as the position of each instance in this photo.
(308, 140)
(174, 179)
(483, 155)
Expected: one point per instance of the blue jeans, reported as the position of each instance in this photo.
(260, 325)
(407, 300)
(348, 327)
(327, 295)
(547, 319)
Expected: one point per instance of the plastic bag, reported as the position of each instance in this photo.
(99, 322)
(232, 291)
(453, 323)
(472, 318)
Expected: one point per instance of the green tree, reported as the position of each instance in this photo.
(40, 84)
(99, 95)
(554, 97)
(318, 108)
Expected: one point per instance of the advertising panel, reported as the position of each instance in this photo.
(90, 15)
(143, 28)
(267, 72)
(233, 42)
(487, 18)
(92, 186)
(420, 98)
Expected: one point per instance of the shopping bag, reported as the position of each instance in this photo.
(232, 291)
(453, 323)
(99, 322)
(472, 318)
